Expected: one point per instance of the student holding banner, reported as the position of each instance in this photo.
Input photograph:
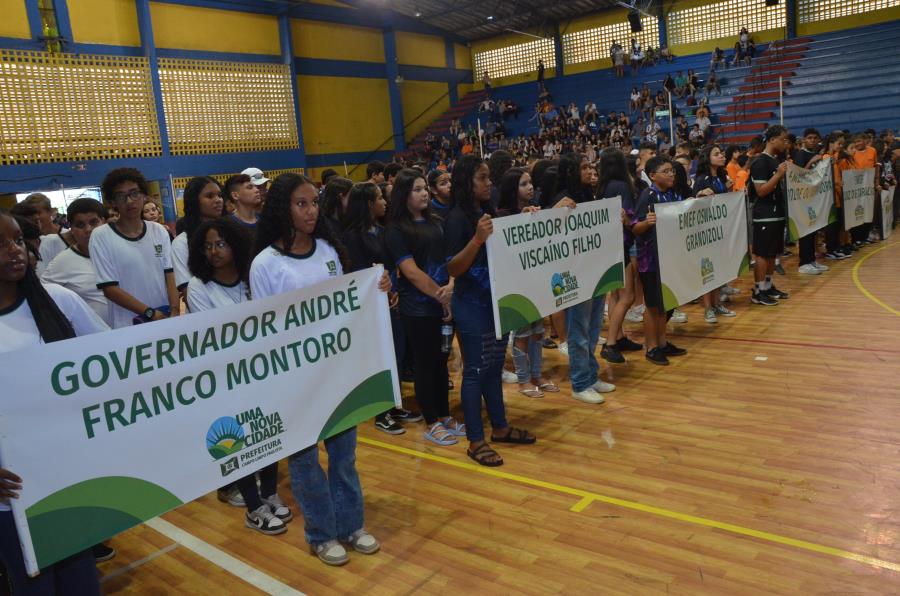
(769, 205)
(30, 314)
(837, 243)
(466, 230)
(806, 157)
(865, 157)
(661, 171)
(296, 248)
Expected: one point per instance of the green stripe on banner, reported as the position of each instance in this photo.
(370, 398)
(613, 279)
(516, 311)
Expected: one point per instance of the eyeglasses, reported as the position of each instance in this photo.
(665, 171)
(135, 194)
(219, 244)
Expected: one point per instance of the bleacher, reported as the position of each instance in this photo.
(843, 80)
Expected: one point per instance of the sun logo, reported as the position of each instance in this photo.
(224, 437)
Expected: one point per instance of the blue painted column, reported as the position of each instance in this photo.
(63, 24)
(663, 32)
(34, 18)
(791, 8)
(558, 47)
(450, 53)
(392, 71)
(287, 57)
(148, 47)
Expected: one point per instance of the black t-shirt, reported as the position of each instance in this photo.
(366, 248)
(582, 195)
(617, 188)
(425, 246)
(474, 286)
(802, 157)
(771, 207)
(706, 181)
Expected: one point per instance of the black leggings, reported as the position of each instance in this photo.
(808, 249)
(429, 366)
(268, 485)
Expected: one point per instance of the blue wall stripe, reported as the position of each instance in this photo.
(223, 56)
(334, 159)
(339, 68)
(254, 6)
(431, 73)
(392, 71)
(14, 43)
(63, 25)
(287, 57)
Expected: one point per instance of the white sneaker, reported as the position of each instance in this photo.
(563, 349)
(729, 291)
(330, 553)
(709, 315)
(603, 387)
(232, 496)
(810, 269)
(601, 340)
(509, 377)
(263, 520)
(588, 396)
(363, 542)
(632, 316)
(820, 266)
(679, 317)
(721, 309)
(278, 508)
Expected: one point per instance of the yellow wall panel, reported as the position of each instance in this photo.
(14, 22)
(599, 19)
(359, 175)
(421, 50)
(314, 39)
(191, 28)
(342, 114)
(858, 20)
(463, 56)
(418, 97)
(112, 22)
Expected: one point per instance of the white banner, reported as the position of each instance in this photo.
(810, 198)
(859, 197)
(544, 262)
(110, 430)
(887, 213)
(702, 244)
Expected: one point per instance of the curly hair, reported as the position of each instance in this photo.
(192, 192)
(234, 234)
(462, 188)
(117, 177)
(276, 224)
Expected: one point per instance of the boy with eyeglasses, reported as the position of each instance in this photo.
(133, 257)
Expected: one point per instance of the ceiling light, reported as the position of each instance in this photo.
(490, 17)
(418, 14)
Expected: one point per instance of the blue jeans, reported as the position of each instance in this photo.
(332, 506)
(483, 356)
(74, 575)
(529, 364)
(583, 323)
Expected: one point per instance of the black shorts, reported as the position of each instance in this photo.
(652, 290)
(768, 239)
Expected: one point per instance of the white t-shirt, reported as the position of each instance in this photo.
(212, 294)
(180, 260)
(51, 245)
(18, 329)
(74, 271)
(137, 265)
(274, 272)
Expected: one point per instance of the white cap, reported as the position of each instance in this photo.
(257, 176)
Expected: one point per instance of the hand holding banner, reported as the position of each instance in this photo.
(810, 198)
(702, 245)
(543, 262)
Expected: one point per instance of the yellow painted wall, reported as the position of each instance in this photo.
(861, 20)
(357, 176)
(421, 50)
(192, 28)
(463, 56)
(118, 25)
(417, 96)
(341, 114)
(14, 22)
(315, 39)
(7, 201)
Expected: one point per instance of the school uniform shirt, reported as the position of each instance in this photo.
(617, 188)
(772, 207)
(802, 157)
(426, 248)
(647, 257)
(274, 272)
(18, 329)
(52, 245)
(213, 294)
(440, 209)
(365, 248)
(705, 181)
(137, 265)
(474, 286)
(251, 227)
(73, 270)
(180, 260)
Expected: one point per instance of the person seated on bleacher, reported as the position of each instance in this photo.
(650, 57)
(661, 102)
(696, 136)
(666, 54)
(718, 58)
(637, 56)
(693, 83)
(712, 84)
(681, 129)
(681, 82)
(590, 111)
(669, 84)
(634, 101)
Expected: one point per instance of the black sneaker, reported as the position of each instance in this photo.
(656, 356)
(671, 349)
(549, 343)
(779, 269)
(626, 345)
(762, 298)
(102, 552)
(858, 245)
(612, 354)
(385, 423)
(404, 415)
(263, 520)
(777, 294)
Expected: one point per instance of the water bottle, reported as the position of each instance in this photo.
(446, 337)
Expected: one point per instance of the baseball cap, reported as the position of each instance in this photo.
(257, 176)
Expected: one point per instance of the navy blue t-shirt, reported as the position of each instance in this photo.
(426, 247)
(440, 209)
(473, 286)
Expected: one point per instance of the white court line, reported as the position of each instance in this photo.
(134, 565)
(236, 567)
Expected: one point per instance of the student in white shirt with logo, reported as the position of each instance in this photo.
(203, 201)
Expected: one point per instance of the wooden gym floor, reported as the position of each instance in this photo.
(765, 461)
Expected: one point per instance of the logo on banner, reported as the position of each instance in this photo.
(247, 437)
(564, 287)
(812, 215)
(707, 270)
(858, 177)
(859, 212)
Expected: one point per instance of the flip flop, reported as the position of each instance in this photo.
(533, 392)
(549, 387)
(516, 435)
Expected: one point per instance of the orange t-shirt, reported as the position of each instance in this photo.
(466, 149)
(867, 158)
(733, 168)
(840, 164)
(740, 179)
